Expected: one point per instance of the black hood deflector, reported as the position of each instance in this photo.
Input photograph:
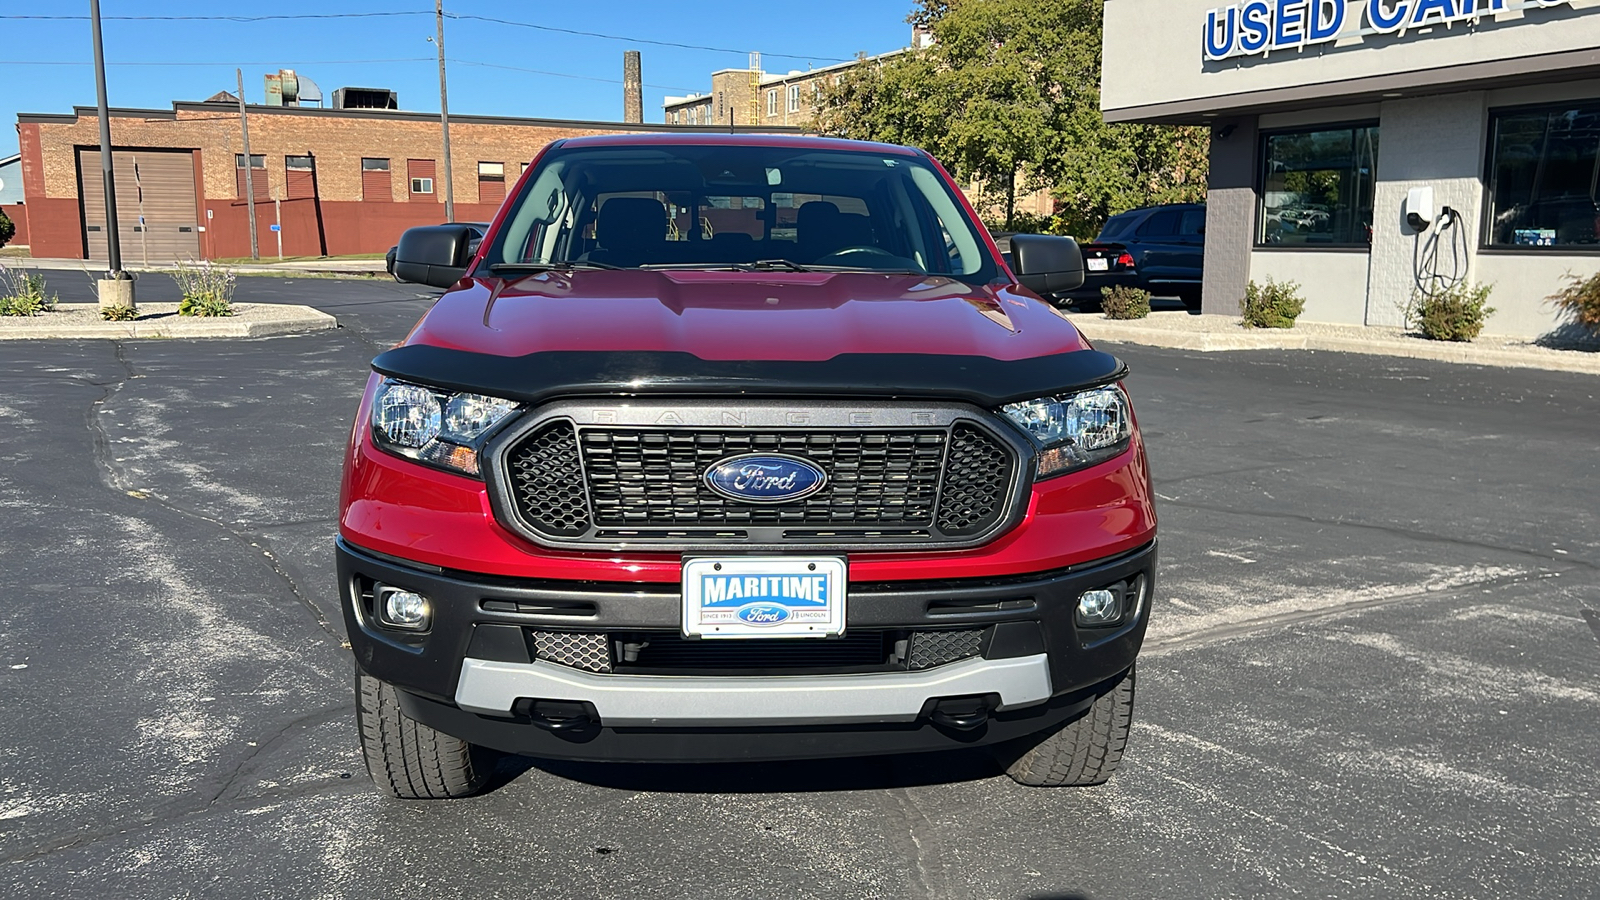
(538, 377)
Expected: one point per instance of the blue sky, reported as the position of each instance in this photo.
(44, 63)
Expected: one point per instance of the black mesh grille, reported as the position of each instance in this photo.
(610, 484)
(935, 648)
(976, 478)
(547, 480)
(650, 478)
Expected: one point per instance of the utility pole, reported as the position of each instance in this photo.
(249, 170)
(116, 289)
(444, 119)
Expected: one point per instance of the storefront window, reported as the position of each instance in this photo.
(1317, 187)
(1544, 177)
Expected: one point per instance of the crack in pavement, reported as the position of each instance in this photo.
(116, 479)
(262, 743)
(1593, 618)
(1232, 630)
(1392, 530)
(183, 813)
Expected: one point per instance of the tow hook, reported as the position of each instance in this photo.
(961, 713)
(562, 716)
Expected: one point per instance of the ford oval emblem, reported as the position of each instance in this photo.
(765, 478)
(762, 614)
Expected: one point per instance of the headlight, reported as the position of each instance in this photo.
(435, 427)
(1075, 430)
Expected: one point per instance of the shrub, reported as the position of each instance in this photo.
(1275, 304)
(1456, 314)
(1123, 302)
(8, 229)
(207, 289)
(1580, 299)
(23, 294)
(119, 313)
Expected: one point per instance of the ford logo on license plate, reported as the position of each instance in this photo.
(765, 478)
(763, 614)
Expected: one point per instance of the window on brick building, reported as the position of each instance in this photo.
(491, 182)
(421, 172)
(772, 102)
(794, 98)
(258, 177)
(375, 186)
(300, 176)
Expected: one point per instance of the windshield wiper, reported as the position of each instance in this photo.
(532, 267)
(768, 265)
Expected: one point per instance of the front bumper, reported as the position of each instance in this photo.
(474, 675)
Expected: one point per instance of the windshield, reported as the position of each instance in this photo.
(719, 206)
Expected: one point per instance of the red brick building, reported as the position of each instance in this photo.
(336, 181)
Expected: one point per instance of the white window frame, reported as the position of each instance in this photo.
(421, 184)
(772, 102)
(794, 98)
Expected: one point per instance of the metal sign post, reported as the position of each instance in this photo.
(277, 227)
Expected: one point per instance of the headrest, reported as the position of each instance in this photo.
(629, 223)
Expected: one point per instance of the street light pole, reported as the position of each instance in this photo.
(444, 119)
(113, 242)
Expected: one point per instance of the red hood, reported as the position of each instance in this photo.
(742, 316)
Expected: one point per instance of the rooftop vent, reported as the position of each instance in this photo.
(364, 98)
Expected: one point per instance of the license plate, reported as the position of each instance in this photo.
(1099, 265)
(763, 596)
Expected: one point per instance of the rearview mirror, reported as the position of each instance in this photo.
(1047, 264)
(435, 255)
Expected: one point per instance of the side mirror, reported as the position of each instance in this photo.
(435, 255)
(1046, 264)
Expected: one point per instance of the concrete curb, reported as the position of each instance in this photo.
(81, 321)
(1098, 329)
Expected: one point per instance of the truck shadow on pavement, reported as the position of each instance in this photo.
(792, 776)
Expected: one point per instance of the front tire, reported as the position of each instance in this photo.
(1082, 752)
(407, 759)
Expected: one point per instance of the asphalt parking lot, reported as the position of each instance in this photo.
(1370, 671)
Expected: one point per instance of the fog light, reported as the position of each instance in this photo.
(1100, 607)
(404, 609)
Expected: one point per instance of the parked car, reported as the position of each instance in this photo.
(1160, 249)
(478, 230)
(821, 480)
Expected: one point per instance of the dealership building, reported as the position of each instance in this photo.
(1370, 150)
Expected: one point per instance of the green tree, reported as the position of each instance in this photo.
(1009, 95)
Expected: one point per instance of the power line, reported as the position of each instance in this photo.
(633, 40)
(228, 63)
(459, 16)
(359, 15)
(473, 62)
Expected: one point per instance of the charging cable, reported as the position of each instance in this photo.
(1425, 252)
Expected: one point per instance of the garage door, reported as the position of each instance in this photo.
(157, 185)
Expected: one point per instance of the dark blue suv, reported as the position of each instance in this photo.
(1160, 249)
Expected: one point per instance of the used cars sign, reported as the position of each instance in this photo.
(1258, 27)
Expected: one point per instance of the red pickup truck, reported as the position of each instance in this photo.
(741, 447)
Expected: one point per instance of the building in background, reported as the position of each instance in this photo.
(11, 198)
(739, 97)
(752, 96)
(1333, 123)
(336, 181)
